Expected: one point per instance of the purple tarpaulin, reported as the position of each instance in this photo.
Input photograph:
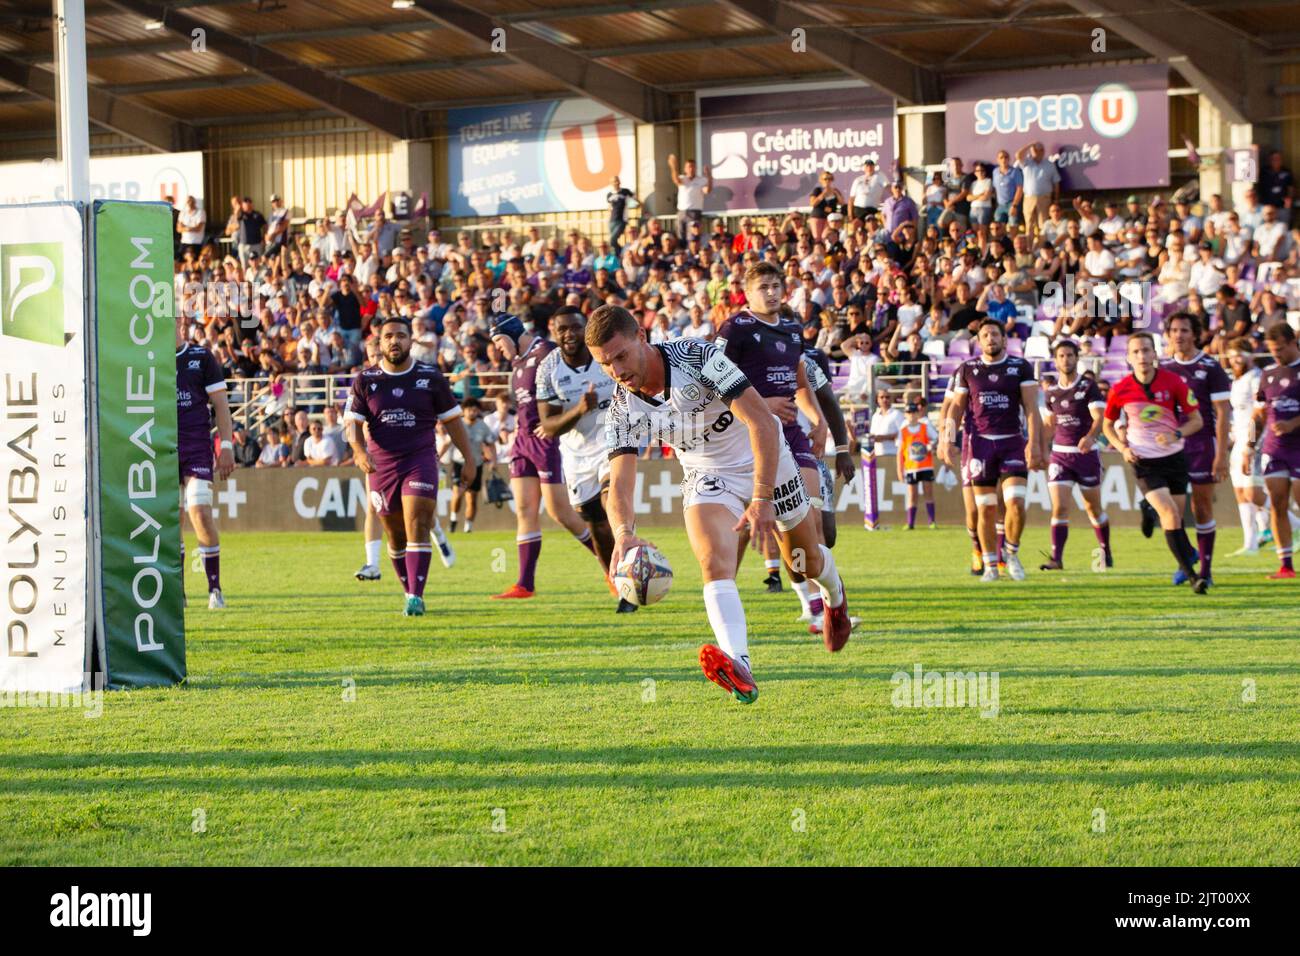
(1105, 128)
(768, 147)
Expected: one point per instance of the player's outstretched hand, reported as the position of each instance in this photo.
(761, 518)
(622, 545)
(844, 466)
(225, 463)
(364, 463)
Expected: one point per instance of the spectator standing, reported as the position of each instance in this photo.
(192, 225)
(1042, 184)
(1276, 186)
(1008, 190)
(251, 230)
(277, 229)
(867, 192)
(618, 198)
(898, 208)
(691, 190)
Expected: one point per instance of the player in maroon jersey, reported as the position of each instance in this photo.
(1153, 400)
(996, 387)
(1277, 418)
(399, 402)
(200, 383)
(768, 347)
(536, 473)
(1207, 450)
(1072, 424)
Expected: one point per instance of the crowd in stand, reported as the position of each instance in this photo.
(873, 276)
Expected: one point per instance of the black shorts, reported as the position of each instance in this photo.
(476, 485)
(1168, 472)
(916, 477)
(862, 212)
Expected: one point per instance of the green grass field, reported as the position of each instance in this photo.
(529, 733)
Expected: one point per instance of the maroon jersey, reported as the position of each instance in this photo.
(198, 375)
(993, 392)
(1207, 380)
(1070, 407)
(769, 355)
(400, 408)
(523, 382)
(1279, 394)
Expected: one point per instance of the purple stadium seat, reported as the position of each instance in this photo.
(1119, 345)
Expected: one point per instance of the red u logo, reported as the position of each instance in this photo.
(1112, 110)
(585, 179)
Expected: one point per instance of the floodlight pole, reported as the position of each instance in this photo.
(74, 123)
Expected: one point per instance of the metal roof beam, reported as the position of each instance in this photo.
(148, 127)
(618, 91)
(378, 112)
(1194, 44)
(856, 56)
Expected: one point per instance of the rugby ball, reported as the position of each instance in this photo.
(643, 576)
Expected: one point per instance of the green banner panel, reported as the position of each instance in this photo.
(139, 475)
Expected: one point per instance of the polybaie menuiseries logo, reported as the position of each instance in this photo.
(31, 292)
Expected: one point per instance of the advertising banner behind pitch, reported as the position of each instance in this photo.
(307, 500)
(1105, 129)
(146, 178)
(43, 448)
(550, 156)
(139, 476)
(768, 146)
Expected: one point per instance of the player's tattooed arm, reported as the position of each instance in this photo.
(804, 398)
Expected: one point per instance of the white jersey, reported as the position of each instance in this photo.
(691, 415)
(1242, 401)
(559, 383)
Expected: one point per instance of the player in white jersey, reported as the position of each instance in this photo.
(1247, 481)
(687, 394)
(573, 393)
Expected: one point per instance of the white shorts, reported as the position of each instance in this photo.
(583, 477)
(1255, 479)
(733, 488)
(197, 492)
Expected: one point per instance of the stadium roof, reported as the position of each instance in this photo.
(393, 67)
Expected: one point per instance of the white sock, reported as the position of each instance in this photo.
(1249, 531)
(772, 565)
(829, 579)
(372, 552)
(1262, 520)
(468, 525)
(727, 618)
(804, 590)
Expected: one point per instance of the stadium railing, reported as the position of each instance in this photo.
(255, 401)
